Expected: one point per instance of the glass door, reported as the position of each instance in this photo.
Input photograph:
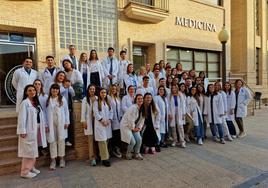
(139, 56)
(11, 58)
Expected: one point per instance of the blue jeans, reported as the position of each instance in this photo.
(135, 142)
(199, 130)
(214, 127)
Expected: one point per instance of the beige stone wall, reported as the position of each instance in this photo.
(167, 33)
(245, 40)
(31, 17)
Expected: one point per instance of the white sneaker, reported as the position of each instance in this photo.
(29, 175)
(62, 163)
(200, 142)
(183, 145)
(53, 165)
(233, 137)
(242, 134)
(68, 144)
(229, 138)
(173, 144)
(222, 141)
(36, 171)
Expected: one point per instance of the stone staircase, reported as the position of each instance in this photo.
(9, 161)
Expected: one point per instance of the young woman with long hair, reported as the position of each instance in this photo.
(130, 127)
(128, 100)
(151, 133)
(83, 68)
(103, 113)
(115, 103)
(87, 120)
(58, 122)
(30, 121)
(214, 110)
(130, 77)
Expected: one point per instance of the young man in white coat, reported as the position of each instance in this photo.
(243, 97)
(123, 63)
(48, 75)
(145, 87)
(22, 77)
(71, 56)
(110, 66)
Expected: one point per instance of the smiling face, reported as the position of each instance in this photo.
(130, 68)
(227, 86)
(193, 91)
(54, 92)
(139, 100)
(161, 91)
(38, 85)
(84, 57)
(114, 90)
(174, 90)
(92, 91)
(60, 77)
(211, 88)
(148, 99)
(31, 92)
(103, 94)
(28, 63)
(50, 62)
(131, 91)
(67, 65)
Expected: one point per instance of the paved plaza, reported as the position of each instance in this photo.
(242, 163)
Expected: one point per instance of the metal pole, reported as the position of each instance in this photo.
(223, 62)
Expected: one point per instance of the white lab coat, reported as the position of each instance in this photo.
(127, 102)
(183, 96)
(122, 71)
(75, 77)
(64, 91)
(140, 81)
(106, 63)
(244, 97)
(63, 117)
(193, 110)
(130, 80)
(163, 109)
(128, 123)
(144, 90)
(87, 115)
(47, 79)
(43, 102)
(69, 58)
(100, 70)
(116, 120)
(230, 105)
(218, 109)
(27, 124)
(102, 133)
(21, 79)
(181, 111)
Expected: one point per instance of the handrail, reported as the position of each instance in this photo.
(162, 5)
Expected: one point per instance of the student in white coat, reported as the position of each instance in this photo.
(151, 134)
(162, 102)
(123, 63)
(71, 74)
(243, 97)
(71, 57)
(87, 120)
(130, 127)
(95, 70)
(128, 100)
(145, 87)
(202, 96)
(110, 66)
(214, 110)
(130, 78)
(22, 77)
(195, 113)
(30, 120)
(48, 75)
(230, 108)
(58, 122)
(226, 133)
(115, 103)
(177, 113)
(83, 69)
(103, 113)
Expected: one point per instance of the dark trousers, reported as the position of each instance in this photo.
(239, 122)
(231, 127)
(85, 84)
(116, 139)
(70, 137)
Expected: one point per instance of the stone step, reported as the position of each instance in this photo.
(8, 140)
(9, 152)
(8, 121)
(8, 129)
(8, 166)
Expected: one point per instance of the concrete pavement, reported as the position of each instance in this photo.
(241, 163)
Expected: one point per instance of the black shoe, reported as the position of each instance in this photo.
(157, 148)
(106, 163)
(163, 145)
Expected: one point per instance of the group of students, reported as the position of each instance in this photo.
(123, 113)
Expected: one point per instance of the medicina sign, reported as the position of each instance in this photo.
(196, 24)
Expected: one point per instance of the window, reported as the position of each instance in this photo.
(199, 60)
(84, 22)
(257, 17)
(257, 65)
(214, 2)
